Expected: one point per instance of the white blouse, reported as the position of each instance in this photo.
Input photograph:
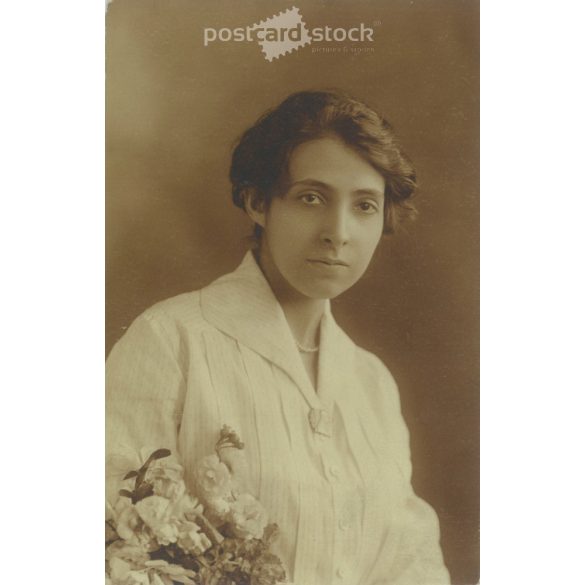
(331, 466)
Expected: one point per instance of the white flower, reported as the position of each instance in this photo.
(129, 566)
(148, 573)
(247, 517)
(218, 509)
(130, 526)
(127, 522)
(191, 539)
(236, 462)
(123, 572)
(156, 512)
(167, 479)
(131, 553)
(119, 569)
(185, 506)
(213, 479)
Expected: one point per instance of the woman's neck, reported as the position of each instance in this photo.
(304, 319)
(302, 313)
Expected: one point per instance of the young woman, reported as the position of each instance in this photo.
(322, 178)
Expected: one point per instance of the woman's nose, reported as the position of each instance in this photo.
(335, 232)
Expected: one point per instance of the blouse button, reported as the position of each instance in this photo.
(334, 471)
(343, 525)
(341, 572)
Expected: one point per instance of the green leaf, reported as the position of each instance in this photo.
(141, 475)
(126, 493)
(143, 491)
(160, 454)
(131, 474)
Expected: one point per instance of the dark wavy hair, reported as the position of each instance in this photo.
(260, 158)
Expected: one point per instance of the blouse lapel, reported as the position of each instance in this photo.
(242, 305)
(336, 361)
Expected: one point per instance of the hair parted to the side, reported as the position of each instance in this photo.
(260, 158)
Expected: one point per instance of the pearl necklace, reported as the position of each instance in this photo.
(304, 349)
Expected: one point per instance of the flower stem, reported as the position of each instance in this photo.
(211, 532)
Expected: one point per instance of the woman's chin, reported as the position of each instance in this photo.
(322, 291)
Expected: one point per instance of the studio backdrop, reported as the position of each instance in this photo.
(184, 78)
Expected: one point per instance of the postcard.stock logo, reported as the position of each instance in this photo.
(286, 32)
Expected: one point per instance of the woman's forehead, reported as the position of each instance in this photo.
(331, 162)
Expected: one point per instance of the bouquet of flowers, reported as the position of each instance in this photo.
(159, 534)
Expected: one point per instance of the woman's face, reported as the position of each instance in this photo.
(319, 237)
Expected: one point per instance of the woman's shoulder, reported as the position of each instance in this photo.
(168, 323)
(371, 366)
(355, 360)
(178, 321)
(187, 309)
(184, 308)
(378, 383)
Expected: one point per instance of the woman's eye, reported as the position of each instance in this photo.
(367, 207)
(311, 198)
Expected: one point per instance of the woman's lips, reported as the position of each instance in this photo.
(328, 262)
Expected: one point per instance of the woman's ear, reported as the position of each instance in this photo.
(254, 206)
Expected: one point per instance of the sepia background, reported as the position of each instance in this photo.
(173, 111)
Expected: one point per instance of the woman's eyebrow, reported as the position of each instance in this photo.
(372, 192)
(311, 183)
(322, 185)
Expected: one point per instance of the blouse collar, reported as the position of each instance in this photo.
(242, 305)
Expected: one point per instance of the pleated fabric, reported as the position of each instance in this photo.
(330, 464)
